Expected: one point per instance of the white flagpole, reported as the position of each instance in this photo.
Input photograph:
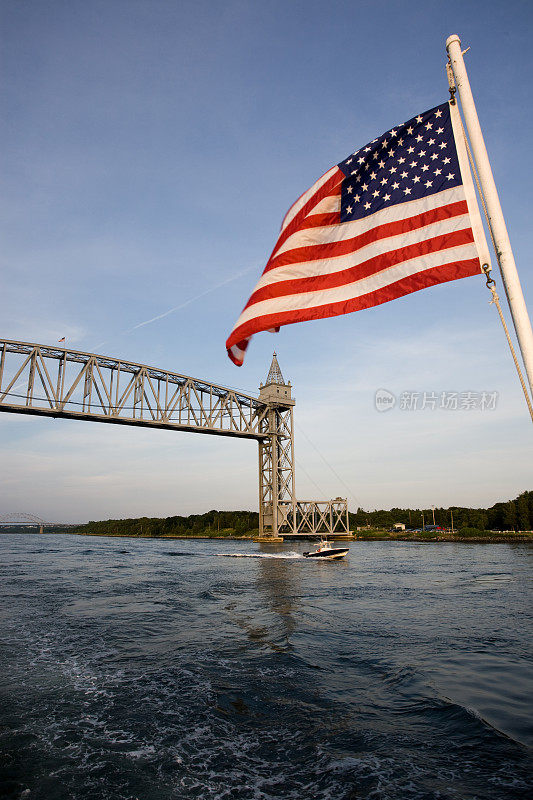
(504, 252)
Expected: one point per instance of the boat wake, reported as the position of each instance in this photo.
(261, 555)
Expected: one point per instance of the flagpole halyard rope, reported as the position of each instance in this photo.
(487, 268)
(496, 301)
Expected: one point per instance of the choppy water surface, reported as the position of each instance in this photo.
(165, 669)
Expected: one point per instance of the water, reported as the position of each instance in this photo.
(165, 669)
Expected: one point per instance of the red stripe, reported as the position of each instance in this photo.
(333, 249)
(238, 361)
(364, 269)
(311, 221)
(412, 283)
(300, 197)
(330, 188)
(318, 221)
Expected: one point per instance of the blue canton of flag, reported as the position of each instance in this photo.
(408, 162)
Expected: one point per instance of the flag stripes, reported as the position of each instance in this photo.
(326, 263)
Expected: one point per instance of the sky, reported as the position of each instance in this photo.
(149, 151)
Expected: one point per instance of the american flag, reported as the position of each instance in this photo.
(394, 217)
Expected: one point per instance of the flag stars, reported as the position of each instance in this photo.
(394, 168)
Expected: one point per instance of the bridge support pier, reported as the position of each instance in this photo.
(279, 512)
(277, 505)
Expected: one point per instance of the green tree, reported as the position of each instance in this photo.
(522, 512)
(509, 516)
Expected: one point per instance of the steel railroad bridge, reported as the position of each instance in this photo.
(59, 382)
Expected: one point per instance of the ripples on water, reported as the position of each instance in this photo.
(158, 670)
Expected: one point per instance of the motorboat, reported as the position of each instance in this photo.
(326, 551)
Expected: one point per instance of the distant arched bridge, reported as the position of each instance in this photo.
(18, 519)
(21, 518)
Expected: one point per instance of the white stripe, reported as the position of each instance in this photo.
(348, 230)
(302, 200)
(325, 266)
(237, 352)
(359, 288)
(470, 194)
(328, 205)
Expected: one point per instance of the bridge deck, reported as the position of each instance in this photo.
(59, 382)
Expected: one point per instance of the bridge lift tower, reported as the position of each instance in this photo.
(277, 495)
(70, 384)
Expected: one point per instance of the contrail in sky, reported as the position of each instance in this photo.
(190, 300)
(182, 305)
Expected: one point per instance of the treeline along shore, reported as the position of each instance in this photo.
(504, 521)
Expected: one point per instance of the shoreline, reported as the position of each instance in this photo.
(495, 539)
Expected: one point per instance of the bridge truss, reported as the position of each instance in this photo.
(59, 382)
